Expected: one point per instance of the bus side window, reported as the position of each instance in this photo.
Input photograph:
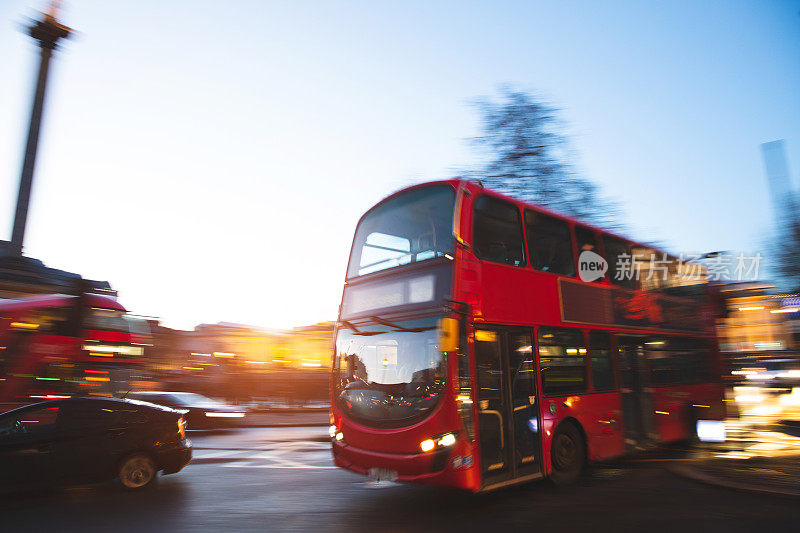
(588, 243)
(48, 321)
(621, 268)
(497, 232)
(549, 244)
(663, 362)
(600, 352)
(562, 361)
(693, 362)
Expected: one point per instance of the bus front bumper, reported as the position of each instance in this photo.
(433, 468)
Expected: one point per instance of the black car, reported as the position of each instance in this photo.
(202, 412)
(85, 440)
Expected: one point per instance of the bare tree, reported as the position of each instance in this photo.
(527, 157)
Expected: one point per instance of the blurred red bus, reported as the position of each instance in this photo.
(469, 353)
(58, 346)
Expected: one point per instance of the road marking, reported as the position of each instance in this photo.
(375, 484)
(297, 466)
(275, 458)
(221, 453)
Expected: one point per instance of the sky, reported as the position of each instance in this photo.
(211, 159)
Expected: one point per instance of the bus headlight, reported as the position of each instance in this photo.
(441, 441)
(448, 439)
(332, 431)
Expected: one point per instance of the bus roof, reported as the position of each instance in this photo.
(58, 300)
(476, 187)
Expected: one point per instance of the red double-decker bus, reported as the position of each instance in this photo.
(470, 352)
(58, 346)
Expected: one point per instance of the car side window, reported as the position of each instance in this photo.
(158, 399)
(8, 425)
(89, 416)
(132, 416)
(30, 422)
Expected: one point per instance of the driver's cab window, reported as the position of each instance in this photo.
(30, 422)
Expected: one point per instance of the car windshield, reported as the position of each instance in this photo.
(411, 227)
(389, 373)
(190, 399)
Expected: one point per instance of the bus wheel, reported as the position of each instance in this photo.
(566, 454)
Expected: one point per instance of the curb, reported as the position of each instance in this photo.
(709, 479)
(287, 425)
(290, 410)
(273, 425)
(216, 460)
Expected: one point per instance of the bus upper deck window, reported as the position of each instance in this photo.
(411, 227)
(621, 266)
(549, 244)
(587, 242)
(497, 233)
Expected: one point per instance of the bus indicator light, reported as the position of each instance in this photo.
(448, 334)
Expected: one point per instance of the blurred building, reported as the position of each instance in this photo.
(759, 320)
(23, 276)
(310, 346)
(242, 362)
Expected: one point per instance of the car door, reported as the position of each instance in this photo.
(27, 444)
(89, 440)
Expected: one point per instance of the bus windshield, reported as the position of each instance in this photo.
(99, 318)
(389, 373)
(411, 227)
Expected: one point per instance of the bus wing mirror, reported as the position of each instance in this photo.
(448, 334)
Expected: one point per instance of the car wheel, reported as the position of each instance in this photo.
(137, 471)
(566, 455)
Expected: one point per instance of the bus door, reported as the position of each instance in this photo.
(508, 420)
(637, 402)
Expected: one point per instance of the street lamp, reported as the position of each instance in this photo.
(47, 31)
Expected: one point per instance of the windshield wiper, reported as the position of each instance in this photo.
(356, 331)
(400, 328)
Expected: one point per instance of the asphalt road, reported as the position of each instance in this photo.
(283, 480)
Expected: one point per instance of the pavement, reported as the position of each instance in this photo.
(761, 453)
(764, 475)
